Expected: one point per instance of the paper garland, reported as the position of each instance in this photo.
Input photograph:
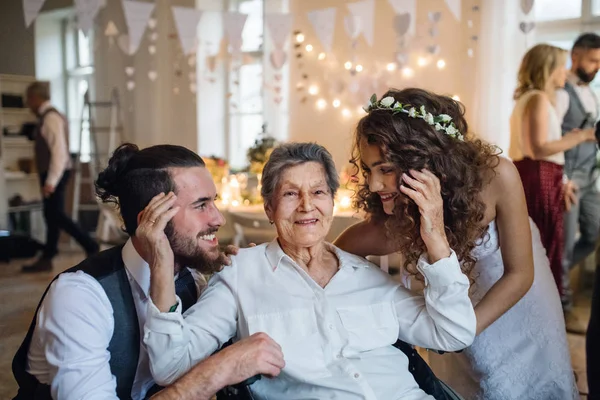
(323, 22)
(86, 11)
(137, 14)
(186, 21)
(455, 7)
(31, 9)
(279, 26)
(365, 10)
(408, 8)
(233, 25)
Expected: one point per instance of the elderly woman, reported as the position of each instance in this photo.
(335, 315)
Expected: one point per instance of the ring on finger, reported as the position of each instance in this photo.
(152, 221)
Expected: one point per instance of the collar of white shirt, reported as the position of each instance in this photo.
(137, 267)
(44, 107)
(275, 254)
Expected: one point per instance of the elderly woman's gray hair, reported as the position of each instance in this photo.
(292, 154)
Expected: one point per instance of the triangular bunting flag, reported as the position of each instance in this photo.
(323, 22)
(186, 21)
(279, 26)
(137, 14)
(86, 11)
(233, 23)
(365, 10)
(31, 9)
(455, 8)
(406, 7)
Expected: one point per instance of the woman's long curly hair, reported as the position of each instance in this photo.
(463, 168)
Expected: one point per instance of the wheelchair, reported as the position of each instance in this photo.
(424, 376)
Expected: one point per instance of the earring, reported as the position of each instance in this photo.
(271, 222)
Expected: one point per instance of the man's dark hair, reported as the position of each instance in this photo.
(133, 177)
(587, 41)
(40, 89)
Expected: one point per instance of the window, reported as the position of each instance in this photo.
(78, 72)
(245, 86)
(552, 10)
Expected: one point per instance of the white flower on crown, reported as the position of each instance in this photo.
(423, 112)
(445, 117)
(412, 112)
(429, 118)
(387, 101)
(439, 127)
(451, 130)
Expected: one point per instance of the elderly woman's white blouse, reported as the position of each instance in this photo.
(337, 341)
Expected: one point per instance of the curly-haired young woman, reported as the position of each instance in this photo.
(412, 137)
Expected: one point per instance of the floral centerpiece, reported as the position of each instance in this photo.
(259, 153)
(218, 167)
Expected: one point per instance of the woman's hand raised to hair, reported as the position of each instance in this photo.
(425, 190)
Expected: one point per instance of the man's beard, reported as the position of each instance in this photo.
(189, 254)
(584, 76)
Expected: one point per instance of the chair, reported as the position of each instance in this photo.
(424, 376)
(251, 227)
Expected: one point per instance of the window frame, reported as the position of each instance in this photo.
(72, 75)
(231, 115)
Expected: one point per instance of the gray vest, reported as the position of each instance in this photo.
(583, 156)
(108, 269)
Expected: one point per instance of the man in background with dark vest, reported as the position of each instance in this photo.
(577, 107)
(54, 168)
(85, 339)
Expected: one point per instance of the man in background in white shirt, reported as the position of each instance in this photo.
(54, 168)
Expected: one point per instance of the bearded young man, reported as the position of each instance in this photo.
(85, 341)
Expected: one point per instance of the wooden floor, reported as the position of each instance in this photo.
(19, 295)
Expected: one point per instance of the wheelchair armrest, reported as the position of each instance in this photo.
(248, 381)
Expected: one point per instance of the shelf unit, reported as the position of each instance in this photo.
(12, 149)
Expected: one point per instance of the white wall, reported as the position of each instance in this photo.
(153, 112)
(329, 127)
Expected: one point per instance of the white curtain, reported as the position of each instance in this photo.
(501, 46)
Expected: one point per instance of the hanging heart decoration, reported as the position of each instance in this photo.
(211, 63)
(130, 85)
(526, 27)
(401, 23)
(129, 71)
(152, 23)
(527, 6)
(278, 58)
(402, 59)
(435, 49)
(152, 75)
(435, 16)
(152, 49)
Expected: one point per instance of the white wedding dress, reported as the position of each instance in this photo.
(524, 355)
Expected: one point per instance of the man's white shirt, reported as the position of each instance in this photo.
(69, 347)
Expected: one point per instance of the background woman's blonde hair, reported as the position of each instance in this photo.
(537, 66)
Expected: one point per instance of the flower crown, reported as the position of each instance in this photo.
(442, 122)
